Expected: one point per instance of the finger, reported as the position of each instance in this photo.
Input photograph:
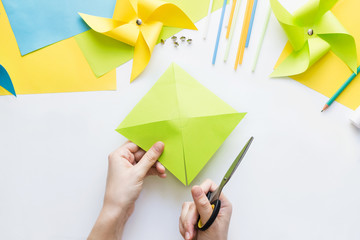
(159, 167)
(191, 221)
(153, 171)
(184, 211)
(139, 154)
(223, 198)
(202, 204)
(131, 146)
(125, 151)
(149, 159)
(127, 141)
(208, 186)
(122, 152)
(181, 229)
(226, 205)
(162, 175)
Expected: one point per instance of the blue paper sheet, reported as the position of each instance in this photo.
(5, 81)
(39, 23)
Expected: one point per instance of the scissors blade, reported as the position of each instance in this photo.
(230, 172)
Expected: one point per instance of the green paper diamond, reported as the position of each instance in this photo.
(190, 120)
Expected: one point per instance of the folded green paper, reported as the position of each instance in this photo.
(190, 120)
(313, 30)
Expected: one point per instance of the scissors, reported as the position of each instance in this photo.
(214, 196)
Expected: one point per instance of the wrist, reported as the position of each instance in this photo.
(116, 215)
(116, 210)
(110, 223)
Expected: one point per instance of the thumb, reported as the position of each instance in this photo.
(202, 203)
(149, 159)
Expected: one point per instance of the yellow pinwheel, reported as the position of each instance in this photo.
(139, 23)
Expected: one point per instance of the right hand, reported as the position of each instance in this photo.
(201, 205)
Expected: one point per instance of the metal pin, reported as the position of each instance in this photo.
(183, 38)
(138, 22)
(310, 32)
(189, 41)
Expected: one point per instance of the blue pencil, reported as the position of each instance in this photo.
(219, 32)
(251, 23)
(341, 89)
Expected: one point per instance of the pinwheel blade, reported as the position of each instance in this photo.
(294, 33)
(341, 42)
(141, 57)
(127, 33)
(125, 10)
(297, 62)
(170, 15)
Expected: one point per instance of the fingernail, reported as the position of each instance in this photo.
(160, 166)
(197, 191)
(159, 146)
(187, 235)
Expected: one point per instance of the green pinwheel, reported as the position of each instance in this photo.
(313, 30)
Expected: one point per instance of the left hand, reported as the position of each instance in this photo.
(128, 167)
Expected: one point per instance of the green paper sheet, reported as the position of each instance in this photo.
(104, 54)
(191, 121)
(313, 30)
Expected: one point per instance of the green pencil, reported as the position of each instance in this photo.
(341, 89)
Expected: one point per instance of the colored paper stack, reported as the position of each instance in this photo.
(41, 54)
(49, 48)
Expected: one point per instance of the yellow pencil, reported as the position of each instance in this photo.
(230, 19)
(244, 32)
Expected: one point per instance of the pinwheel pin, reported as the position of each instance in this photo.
(313, 30)
(139, 23)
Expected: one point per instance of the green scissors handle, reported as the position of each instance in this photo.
(214, 196)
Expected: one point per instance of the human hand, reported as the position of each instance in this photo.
(128, 167)
(201, 205)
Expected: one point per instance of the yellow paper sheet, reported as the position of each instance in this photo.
(60, 67)
(328, 74)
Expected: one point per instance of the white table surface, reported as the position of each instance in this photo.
(300, 179)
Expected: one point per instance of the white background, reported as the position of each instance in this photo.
(299, 180)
